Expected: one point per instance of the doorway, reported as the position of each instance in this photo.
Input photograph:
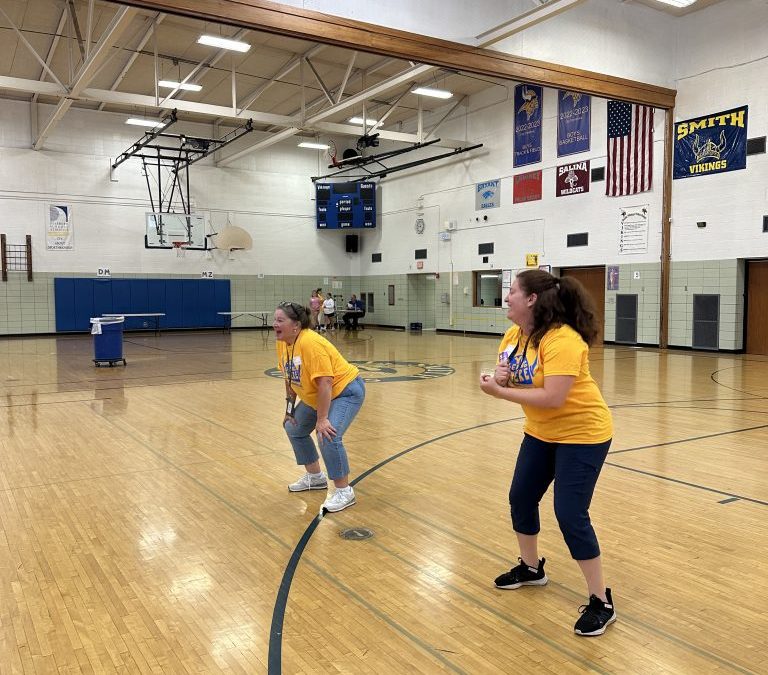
(593, 280)
(421, 300)
(757, 307)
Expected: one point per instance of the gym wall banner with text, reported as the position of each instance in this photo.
(711, 144)
(573, 122)
(528, 115)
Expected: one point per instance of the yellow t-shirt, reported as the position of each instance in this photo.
(584, 417)
(309, 357)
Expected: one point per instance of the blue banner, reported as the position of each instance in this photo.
(528, 104)
(574, 117)
(711, 144)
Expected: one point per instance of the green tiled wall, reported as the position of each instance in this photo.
(28, 307)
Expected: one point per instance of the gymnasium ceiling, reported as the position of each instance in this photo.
(46, 56)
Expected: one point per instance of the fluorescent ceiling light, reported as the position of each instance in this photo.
(490, 276)
(359, 120)
(429, 91)
(314, 146)
(223, 43)
(169, 84)
(678, 3)
(135, 121)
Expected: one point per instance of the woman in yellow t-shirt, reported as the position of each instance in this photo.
(543, 365)
(331, 392)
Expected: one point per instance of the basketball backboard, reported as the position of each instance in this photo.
(162, 229)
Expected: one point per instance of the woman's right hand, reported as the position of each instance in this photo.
(502, 373)
(289, 418)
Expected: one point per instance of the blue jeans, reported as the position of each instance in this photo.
(343, 410)
(574, 469)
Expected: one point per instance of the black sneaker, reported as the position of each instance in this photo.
(596, 616)
(522, 575)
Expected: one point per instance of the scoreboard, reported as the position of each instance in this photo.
(342, 206)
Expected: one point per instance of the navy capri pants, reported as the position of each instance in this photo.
(574, 469)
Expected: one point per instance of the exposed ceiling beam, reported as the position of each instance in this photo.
(153, 24)
(523, 21)
(224, 112)
(320, 81)
(36, 87)
(289, 66)
(31, 49)
(281, 19)
(352, 101)
(343, 84)
(207, 64)
(54, 44)
(399, 136)
(76, 26)
(101, 51)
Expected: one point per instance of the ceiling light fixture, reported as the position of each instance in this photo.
(169, 84)
(135, 121)
(678, 3)
(359, 120)
(313, 146)
(429, 91)
(223, 43)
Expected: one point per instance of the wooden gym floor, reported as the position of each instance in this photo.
(146, 525)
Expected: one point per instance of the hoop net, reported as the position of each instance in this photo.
(332, 152)
(181, 248)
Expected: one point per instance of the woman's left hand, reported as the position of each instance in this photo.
(325, 430)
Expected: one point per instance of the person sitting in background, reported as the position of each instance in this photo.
(355, 312)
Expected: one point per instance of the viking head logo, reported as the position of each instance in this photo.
(708, 150)
(530, 103)
(575, 96)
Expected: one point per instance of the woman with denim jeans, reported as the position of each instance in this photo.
(543, 365)
(331, 392)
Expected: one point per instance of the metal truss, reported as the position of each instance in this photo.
(175, 159)
(359, 164)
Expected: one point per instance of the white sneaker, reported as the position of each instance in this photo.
(308, 482)
(339, 500)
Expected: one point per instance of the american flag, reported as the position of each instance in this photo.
(630, 149)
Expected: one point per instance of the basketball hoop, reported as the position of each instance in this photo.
(181, 248)
(331, 152)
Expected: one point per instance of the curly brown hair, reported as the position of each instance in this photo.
(559, 301)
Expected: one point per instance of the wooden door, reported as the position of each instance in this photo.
(593, 279)
(757, 307)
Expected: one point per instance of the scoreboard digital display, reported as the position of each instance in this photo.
(342, 206)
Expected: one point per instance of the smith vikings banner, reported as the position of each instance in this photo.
(528, 116)
(711, 144)
(573, 122)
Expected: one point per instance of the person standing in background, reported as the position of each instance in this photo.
(315, 303)
(329, 312)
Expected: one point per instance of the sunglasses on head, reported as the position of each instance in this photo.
(294, 308)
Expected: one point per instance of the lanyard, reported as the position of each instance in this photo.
(286, 372)
(523, 358)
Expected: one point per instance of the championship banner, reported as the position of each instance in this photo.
(528, 104)
(574, 116)
(59, 229)
(488, 194)
(711, 144)
(526, 187)
(572, 179)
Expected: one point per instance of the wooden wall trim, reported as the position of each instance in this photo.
(316, 27)
(666, 229)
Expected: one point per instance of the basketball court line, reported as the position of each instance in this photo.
(687, 440)
(284, 589)
(271, 535)
(624, 616)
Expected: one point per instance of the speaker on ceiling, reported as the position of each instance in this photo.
(352, 242)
